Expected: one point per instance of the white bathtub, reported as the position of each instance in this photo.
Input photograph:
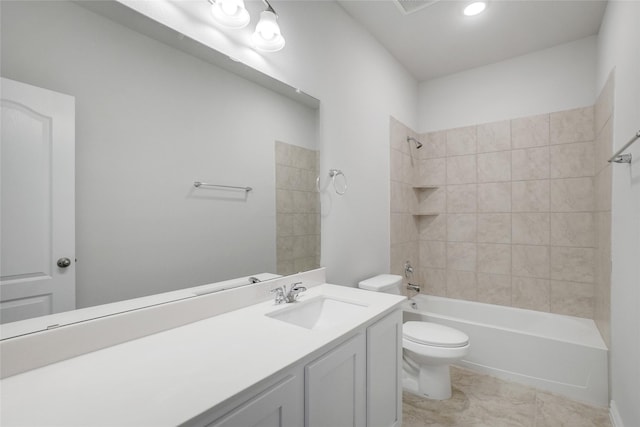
(561, 354)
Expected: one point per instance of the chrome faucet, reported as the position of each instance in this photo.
(295, 289)
(280, 298)
(413, 287)
(282, 295)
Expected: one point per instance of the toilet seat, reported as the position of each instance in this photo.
(433, 334)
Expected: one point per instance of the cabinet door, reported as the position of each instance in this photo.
(335, 387)
(280, 405)
(384, 372)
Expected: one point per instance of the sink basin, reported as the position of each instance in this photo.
(318, 313)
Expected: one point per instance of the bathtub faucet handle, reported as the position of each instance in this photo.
(413, 287)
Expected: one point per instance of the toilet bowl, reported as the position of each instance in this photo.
(427, 348)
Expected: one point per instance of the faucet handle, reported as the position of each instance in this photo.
(294, 290)
(296, 286)
(280, 296)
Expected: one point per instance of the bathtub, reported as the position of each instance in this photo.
(561, 354)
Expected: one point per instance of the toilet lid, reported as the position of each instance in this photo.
(434, 334)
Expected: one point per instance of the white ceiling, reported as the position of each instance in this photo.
(438, 39)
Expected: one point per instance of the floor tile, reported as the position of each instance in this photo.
(480, 400)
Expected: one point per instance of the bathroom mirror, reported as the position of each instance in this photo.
(154, 113)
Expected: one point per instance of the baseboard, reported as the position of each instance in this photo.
(614, 416)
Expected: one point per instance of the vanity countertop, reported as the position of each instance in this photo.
(172, 376)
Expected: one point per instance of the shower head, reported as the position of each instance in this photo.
(418, 143)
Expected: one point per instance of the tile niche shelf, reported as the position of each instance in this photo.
(422, 189)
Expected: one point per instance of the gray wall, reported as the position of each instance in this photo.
(149, 121)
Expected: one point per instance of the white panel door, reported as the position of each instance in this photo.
(335, 387)
(37, 229)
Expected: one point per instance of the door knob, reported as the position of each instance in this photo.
(64, 262)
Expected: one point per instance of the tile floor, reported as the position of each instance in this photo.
(481, 400)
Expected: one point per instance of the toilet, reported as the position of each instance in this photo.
(427, 348)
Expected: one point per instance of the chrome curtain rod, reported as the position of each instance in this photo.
(199, 184)
(624, 158)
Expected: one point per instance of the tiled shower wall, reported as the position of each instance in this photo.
(297, 209)
(510, 219)
(603, 125)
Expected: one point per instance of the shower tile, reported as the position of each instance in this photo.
(431, 172)
(284, 201)
(433, 281)
(494, 258)
(461, 284)
(602, 189)
(284, 248)
(530, 293)
(494, 167)
(571, 195)
(461, 227)
(284, 225)
(403, 228)
(494, 288)
(571, 160)
(530, 196)
(434, 144)
(530, 261)
(283, 153)
(494, 197)
(573, 229)
(553, 410)
(571, 126)
(572, 264)
(304, 246)
(530, 131)
(306, 264)
(432, 254)
(494, 136)
(461, 198)
(494, 228)
(530, 163)
(397, 198)
(461, 169)
(285, 267)
(431, 200)
(530, 228)
(461, 141)
(603, 147)
(400, 253)
(433, 227)
(461, 256)
(396, 165)
(572, 299)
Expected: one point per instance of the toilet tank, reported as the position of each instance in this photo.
(388, 283)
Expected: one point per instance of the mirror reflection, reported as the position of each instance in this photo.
(150, 120)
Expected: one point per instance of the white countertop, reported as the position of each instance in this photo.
(170, 377)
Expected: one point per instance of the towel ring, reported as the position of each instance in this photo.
(333, 173)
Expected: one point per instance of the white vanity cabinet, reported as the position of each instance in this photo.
(354, 384)
(279, 403)
(384, 372)
(335, 386)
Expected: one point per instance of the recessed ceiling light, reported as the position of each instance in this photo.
(475, 8)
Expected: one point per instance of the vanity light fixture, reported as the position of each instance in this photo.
(230, 13)
(267, 36)
(475, 8)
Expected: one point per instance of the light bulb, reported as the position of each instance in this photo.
(229, 7)
(267, 36)
(475, 8)
(230, 13)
